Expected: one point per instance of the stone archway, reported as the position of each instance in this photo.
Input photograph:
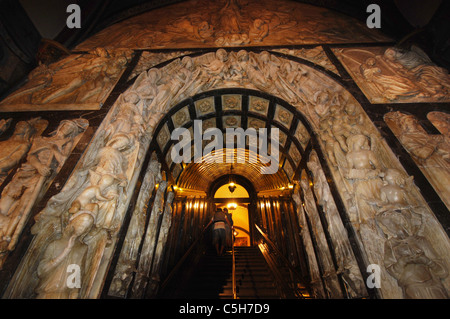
(115, 158)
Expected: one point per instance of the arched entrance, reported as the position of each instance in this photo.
(230, 191)
(279, 91)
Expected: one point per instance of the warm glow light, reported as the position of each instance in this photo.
(290, 186)
(231, 184)
(232, 206)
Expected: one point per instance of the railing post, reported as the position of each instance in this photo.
(233, 269)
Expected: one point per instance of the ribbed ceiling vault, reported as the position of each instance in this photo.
(199, 176)
(234, 108)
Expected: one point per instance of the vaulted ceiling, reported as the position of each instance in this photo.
(231, 109)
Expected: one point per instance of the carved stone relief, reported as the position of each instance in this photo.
(43, 162)
(430, 152)
(113, 160)
(146, 255)
(316, 55)
(231, 102)
(129, 254)
(317, 289)
(17, 146)
(148, 60)
(347, 266)
(201, 23)
(329, 275)
(391, 75)
(77, 82)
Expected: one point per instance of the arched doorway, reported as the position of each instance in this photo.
(228, 192)
(320, 99)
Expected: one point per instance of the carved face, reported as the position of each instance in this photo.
(222, 55)
(371, 62)
(390, 54)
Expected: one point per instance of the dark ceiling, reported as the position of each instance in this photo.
(426, 23)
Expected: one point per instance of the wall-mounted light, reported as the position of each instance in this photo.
(231, 187)
(232, 206)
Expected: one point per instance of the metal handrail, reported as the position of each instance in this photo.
(233, 269)
(280, 254)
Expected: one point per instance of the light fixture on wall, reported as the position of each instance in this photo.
(231, 187)
(231, 184)
(232, 206)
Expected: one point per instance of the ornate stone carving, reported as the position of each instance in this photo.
(315, 283)
(347, 266)
(201, 23)
(17, 146)
(430, 152)
(120, 155)
(166, 222)
(148, 60)
(44, 160)
(329, 275)
(396, 76)
(129, 254)
(411, 259)
(316, 55)
(79, 81)
(148, 248)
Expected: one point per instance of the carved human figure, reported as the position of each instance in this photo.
(343, 252)
(431, 152)
(129, 253)
(111, 164)
(411, 260)
(16, 147)
(89, 75)
(129, 118)
(431, 79)
(69, 249)
(391, 86)
(363, 170)
(420, 144)
(45, 158)
(259, 29)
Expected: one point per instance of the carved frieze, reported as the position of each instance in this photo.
(392, 75)
(316, 55)
(431, 152)
(77, 82)
(202, 23)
